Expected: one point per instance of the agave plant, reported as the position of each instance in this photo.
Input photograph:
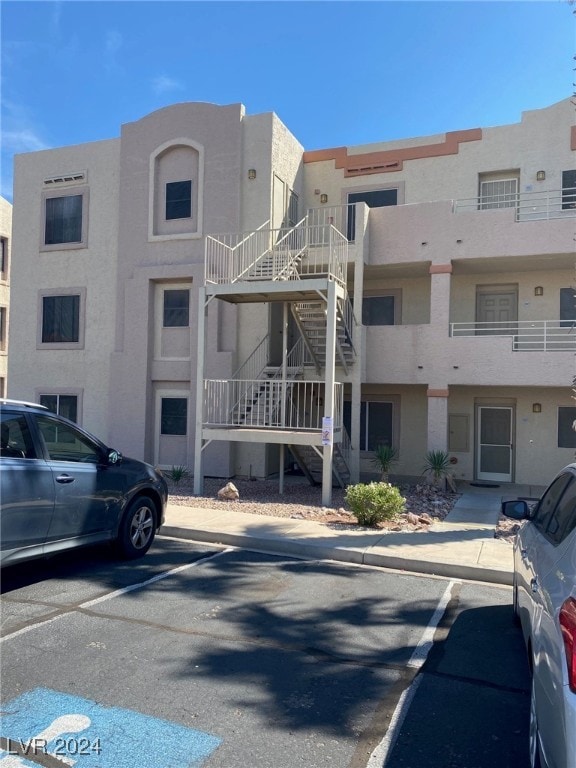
(384, 457)
(177, 474)
(437, 464)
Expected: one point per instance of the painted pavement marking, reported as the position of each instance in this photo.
(48, 728)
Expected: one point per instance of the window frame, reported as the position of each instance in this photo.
(568, 190)
(3, 328)
(500, 200)
(186, 417)
(81, 293)
(351, 205)
(183, 200)
(62, 392)
(367, 400)
(376, 293)
(69, 191)
(173, 289)
(4, 259)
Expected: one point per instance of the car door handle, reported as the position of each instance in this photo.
(534, 586)
(64, 479)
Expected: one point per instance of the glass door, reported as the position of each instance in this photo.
(494, 443)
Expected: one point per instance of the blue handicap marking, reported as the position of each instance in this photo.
(83, 733)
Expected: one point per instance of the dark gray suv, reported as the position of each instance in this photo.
(61, 487)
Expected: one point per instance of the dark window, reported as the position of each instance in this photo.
(566, 427)
(568, 189)
(174, 416)
(548, 502)
(63, 405)
(15, 439)
(377, 198)
(376, 420)
(179, 200)
(63, 220)
(64, 443)
(567, 307)
(563, 520)
(176, 308)
(378, 310)
(3, 257)
(60, 319)
(2, 328)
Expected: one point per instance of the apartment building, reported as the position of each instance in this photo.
(202, 291)
(5, 248)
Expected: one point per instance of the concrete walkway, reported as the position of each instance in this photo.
(462, 546)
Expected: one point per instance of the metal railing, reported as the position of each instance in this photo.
(526, 335)
(529, 206)
(260, 404)
(277, 254)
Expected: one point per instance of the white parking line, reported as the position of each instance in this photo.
(380, 754)
(116, 593)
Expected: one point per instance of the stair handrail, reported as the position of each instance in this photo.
(230, 252)
(255, 364)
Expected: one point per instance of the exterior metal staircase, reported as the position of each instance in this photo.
(309, 460)
(310, 317)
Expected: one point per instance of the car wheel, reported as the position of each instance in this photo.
(137, 528)
(534, 740)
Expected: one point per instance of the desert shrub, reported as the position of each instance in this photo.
(372, 503)
(177, 474)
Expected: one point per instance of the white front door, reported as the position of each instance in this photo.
(494, 448)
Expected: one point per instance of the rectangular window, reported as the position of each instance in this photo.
(375, 198)
(63, 405)
(176, 308)
(378, 310)
(174, 418)
(498, 193)
(63, 220)
(376, 424)
(568, 189)
(60, 319)
(3, 329)
(178, 200)
(567, 427)
(567, 307)
(2, 386)
(3, 258)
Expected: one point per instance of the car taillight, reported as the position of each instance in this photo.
(568, 629)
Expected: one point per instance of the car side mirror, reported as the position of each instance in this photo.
(516, 510)
(114, 457)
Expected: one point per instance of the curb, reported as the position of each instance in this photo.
(303, 551)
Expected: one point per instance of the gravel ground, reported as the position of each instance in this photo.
(424, 504)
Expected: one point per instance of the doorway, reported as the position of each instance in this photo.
(494, 443)
(496, 309)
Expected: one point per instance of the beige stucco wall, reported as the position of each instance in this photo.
(92, 268)
(6, 235)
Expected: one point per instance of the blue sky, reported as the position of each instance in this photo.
(337, 73)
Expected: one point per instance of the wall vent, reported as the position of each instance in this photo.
(69, 178)
(375, 168)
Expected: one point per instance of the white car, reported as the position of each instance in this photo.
(545, 605)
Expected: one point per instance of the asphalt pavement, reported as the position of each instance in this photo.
(462, 546)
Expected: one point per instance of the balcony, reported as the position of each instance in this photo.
(525, 335)
(530, 206)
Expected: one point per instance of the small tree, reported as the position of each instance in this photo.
(384, 457)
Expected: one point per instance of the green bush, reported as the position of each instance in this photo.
(374, 502)
(177, 474)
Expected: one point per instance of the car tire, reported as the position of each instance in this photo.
(535, 761)
(138, 528)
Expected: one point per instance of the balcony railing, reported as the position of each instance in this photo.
(268, 404)
(277, 254)
(529, 206)
(525, 335)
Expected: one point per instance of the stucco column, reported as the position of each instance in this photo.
(360, 252)
(438, 419)
(440, 296)
(198, 469)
